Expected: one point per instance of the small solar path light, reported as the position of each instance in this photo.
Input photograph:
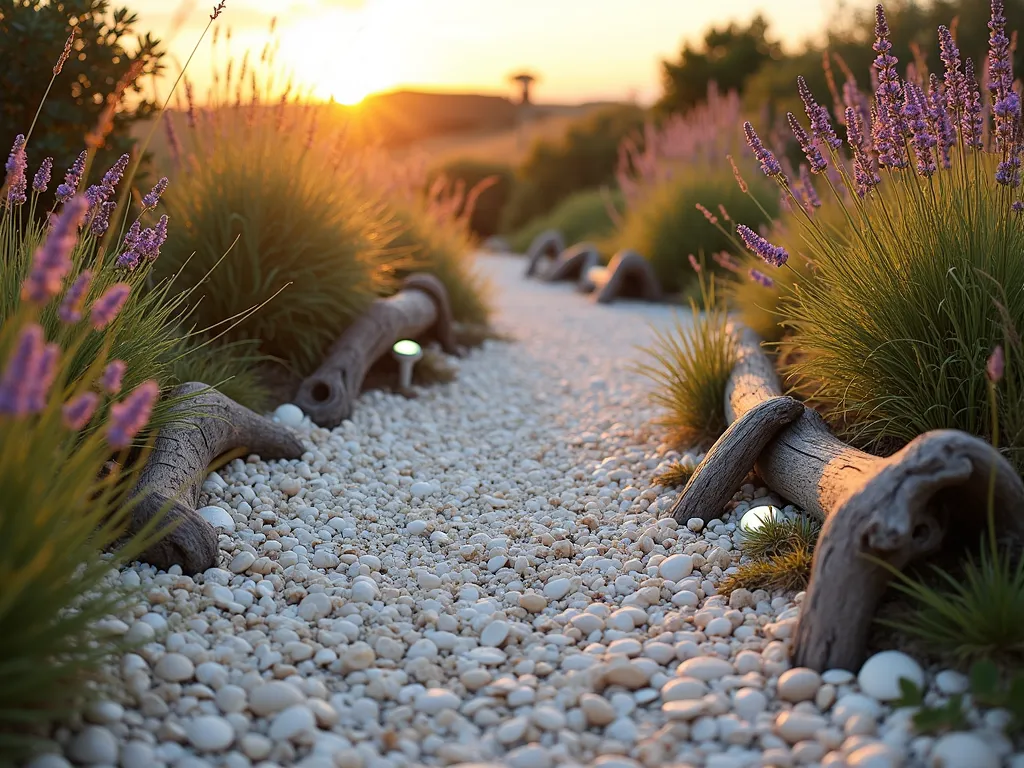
(407, 352)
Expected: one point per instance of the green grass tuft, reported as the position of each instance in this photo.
(777, 537)
(689, 365)
(975, 613)
(677, 474)
(790, 572)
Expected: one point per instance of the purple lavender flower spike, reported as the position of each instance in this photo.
(52, 261)
(78, 412)
(807, 184)
(1017, 206)
(694, 264)
(70, 310)
(101, 219)
(17, 164)
(113, 177)
(808, 145)
(761, 278)
(130, 256)
(971, 121)
(113, 376)
(130, 415)
(922, 139)
(157, 240)
(46, 372)
(42, 178)
(887, 125)
(106, 307)
(769, 164)
(938, 119)
(821, 124)
(72, 179)
(954, 76)
(16, 382)
(172, 141)
(150, 200)
(771, 254)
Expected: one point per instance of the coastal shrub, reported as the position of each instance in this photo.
(68, 403)
(583, 159)
(107, 50)
(275, 225)
(895, 329)
(689, 365)
(485, 219)
(666, 226)
(581, 216)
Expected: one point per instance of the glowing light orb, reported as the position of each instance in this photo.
(406, 348)
(756, 517)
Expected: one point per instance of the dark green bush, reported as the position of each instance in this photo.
(581, 216)
(665, 226)
(585, 158)
(485, 219)
(106, 48)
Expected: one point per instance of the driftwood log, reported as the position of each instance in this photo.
(546, 245)
(628, 275)
(208, 425)
(421, 308)
(573, 263)
(895, 509)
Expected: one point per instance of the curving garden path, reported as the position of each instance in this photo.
(480, 575)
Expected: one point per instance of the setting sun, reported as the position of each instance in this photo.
(344, 55)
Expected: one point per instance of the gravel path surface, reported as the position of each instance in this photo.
(480, 575)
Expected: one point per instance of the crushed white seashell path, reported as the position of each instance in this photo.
(481, 575)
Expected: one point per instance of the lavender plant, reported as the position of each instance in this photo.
(894, 329)
(64, 411)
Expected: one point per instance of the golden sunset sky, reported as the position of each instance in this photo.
(583, 50)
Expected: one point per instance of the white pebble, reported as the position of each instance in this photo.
(210, 733)
(880, 676)
(218, 518)
(289, 415)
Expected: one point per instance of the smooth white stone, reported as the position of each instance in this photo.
(880, 676)
(289, 415)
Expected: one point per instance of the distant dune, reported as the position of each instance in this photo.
(442, 125)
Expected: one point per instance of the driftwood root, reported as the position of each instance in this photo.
(628, 275)
(547, 244)
(420, 309)
(894, 509)
(573, 263)
(207, 425)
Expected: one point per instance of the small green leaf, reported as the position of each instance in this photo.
(984, 680)
(910, 694)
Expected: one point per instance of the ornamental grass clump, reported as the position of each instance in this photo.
(68, 403)
(689, 364)
(588, 215)
(893, 331)
(269, 199)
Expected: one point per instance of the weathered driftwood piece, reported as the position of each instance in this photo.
(573, 262)
(629, 275)
(420, 308)
(208, 424)
(895, 509)
(723, 469)
(547, 244)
